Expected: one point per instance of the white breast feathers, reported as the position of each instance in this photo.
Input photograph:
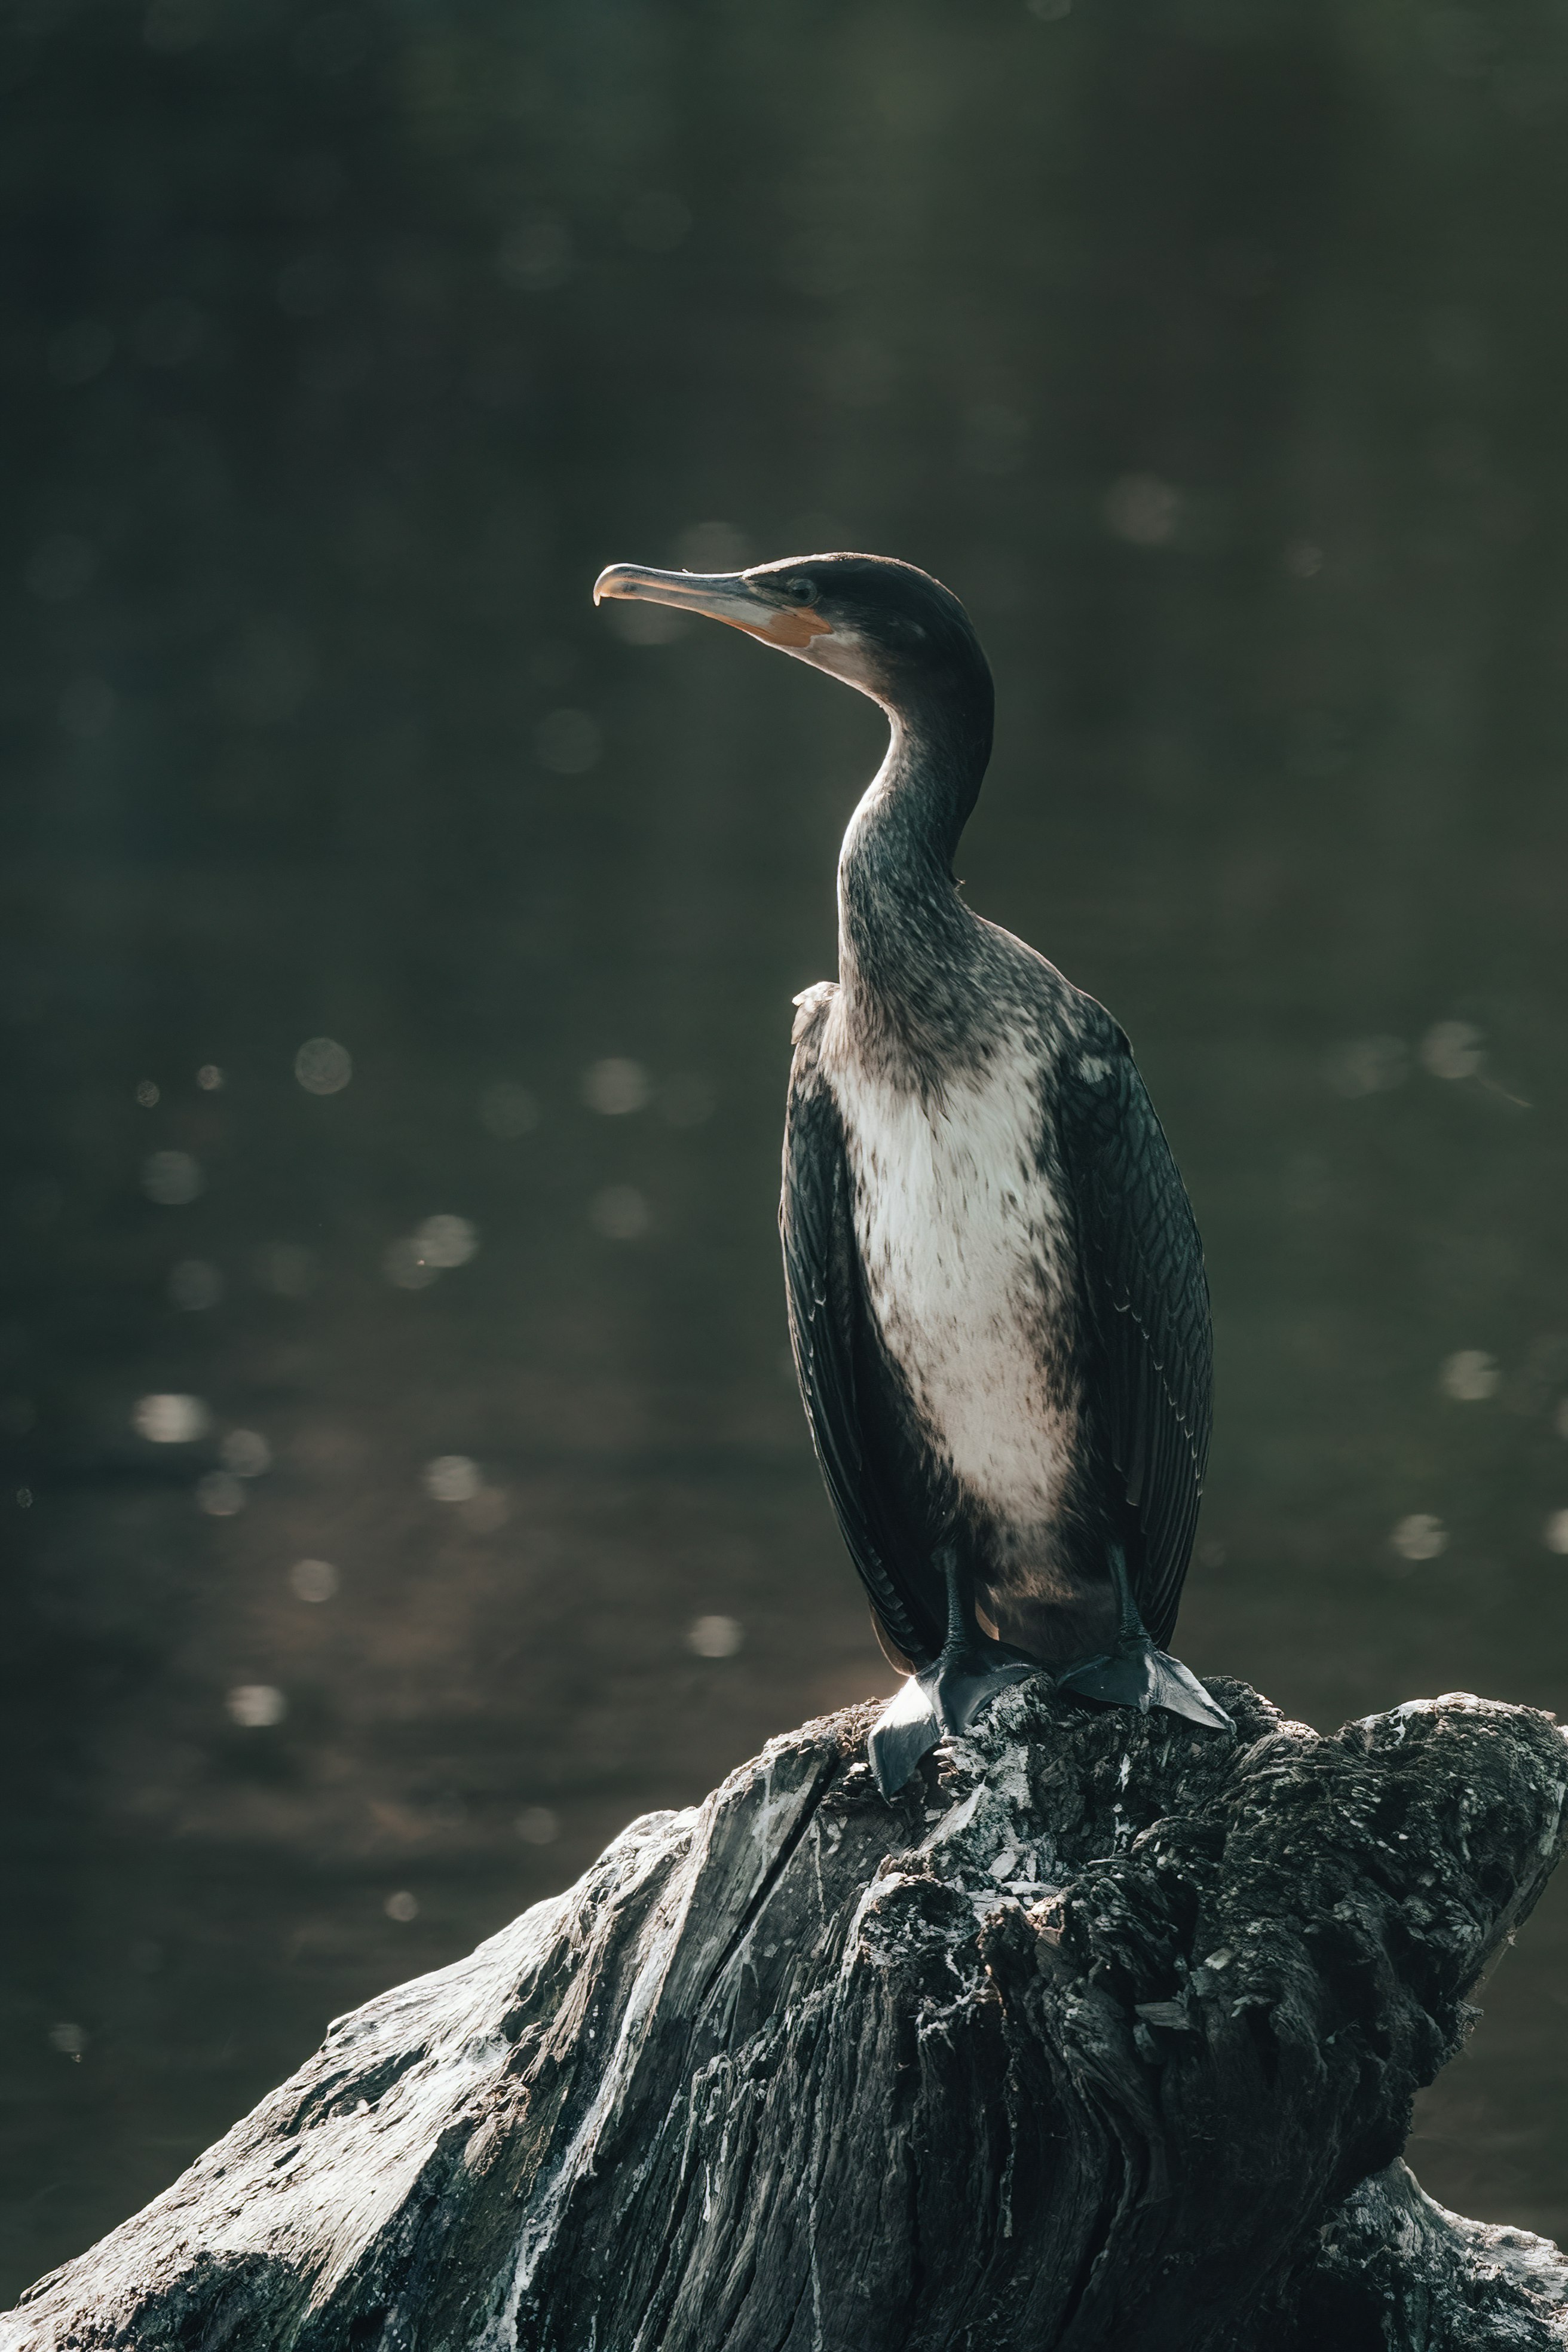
(961, 1241)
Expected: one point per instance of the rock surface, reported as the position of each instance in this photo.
(1105, 2034)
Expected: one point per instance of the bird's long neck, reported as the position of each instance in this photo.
(907, 943)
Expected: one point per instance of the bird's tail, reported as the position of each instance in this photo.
(1135, 1673)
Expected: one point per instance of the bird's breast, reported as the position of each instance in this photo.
(966, 1251)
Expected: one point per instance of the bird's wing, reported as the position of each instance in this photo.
(857, 1425)
(1149, 1309)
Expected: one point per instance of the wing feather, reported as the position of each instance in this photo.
(1147, 1296)
(845, 1381)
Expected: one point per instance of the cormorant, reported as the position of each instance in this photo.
(996, 1291)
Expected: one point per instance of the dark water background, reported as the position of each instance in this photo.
(1213, 350)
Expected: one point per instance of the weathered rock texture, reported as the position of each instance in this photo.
(1104, 2036)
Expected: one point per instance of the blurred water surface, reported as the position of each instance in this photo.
(403, 1483)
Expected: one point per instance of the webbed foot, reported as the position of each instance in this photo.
(945, 1698)
(1136, 1675)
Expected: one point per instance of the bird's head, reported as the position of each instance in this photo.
(885, 627)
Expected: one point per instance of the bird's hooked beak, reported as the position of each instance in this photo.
(753, 605)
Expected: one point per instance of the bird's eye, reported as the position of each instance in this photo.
(800, 589)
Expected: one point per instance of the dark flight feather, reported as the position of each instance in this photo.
(1148, 1307)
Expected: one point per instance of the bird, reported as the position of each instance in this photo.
(998, 1307)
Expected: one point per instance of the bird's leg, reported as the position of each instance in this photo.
(972, 1667)
(948, 1696)
(1134, 1672)
(1130, 1627)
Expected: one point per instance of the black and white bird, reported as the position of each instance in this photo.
(996, 1289)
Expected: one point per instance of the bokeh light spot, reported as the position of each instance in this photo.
(620, 1213)
(1143, 511)
(714, 1637)
(446, 1241)
(246, 1453)
(452, 1478)
(314, 1580)
(220, 1494)
(1452, 1049)
(255, 1706)
(323, 1066)
(406, 1265)
(1367, 1066)
(1554, 1534)
(615, 1087)
(1420, 1537)
(209, 1077)
(1469, 1376)
(171, 1419)
(402, 1906)
(195, 1285)
(172, 1179)
(537, 1826)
